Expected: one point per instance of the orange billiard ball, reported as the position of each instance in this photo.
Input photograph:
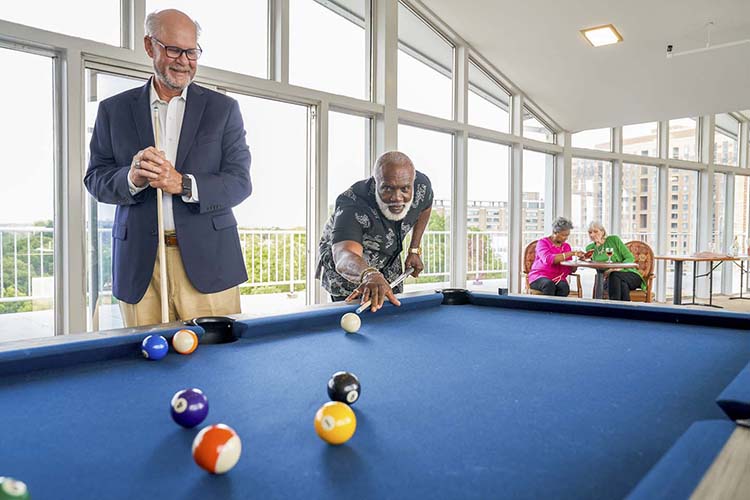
(185, 341)
(217, 448)
(335, 422)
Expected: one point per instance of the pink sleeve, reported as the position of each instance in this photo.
(543, 252)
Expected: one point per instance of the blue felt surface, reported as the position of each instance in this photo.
(457, 402)
(735, 399)
(681, 469)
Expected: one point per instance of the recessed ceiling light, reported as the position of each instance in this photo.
(602, 35)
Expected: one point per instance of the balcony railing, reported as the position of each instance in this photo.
(275, 260)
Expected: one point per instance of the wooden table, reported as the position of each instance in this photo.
(601, 268)
(705, 257)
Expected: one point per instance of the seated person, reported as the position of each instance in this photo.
(547, 275)
(620, 283)
(361, 246)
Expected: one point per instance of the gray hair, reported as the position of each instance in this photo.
(152, 25)
(597, 225)
(389, 158)
(561, 224)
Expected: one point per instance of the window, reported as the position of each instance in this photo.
(591, 193)
(272, 221)
(717, 222)
(328, 46)
(534, 128)
(686, 236)
(640, 139)
(537, 168)
(642, 181)
(740, 226)
(600, 138)
(726, 143)
(27, 212)
(234, 34)
(432, 154)
(683, 138)
(103, 309)
(425, 67)
(487, 216)
(489, 103)
(73, 18)
(348, 160)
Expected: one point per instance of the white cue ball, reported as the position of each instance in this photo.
(350, 322)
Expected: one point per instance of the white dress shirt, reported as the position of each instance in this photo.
(170, 125)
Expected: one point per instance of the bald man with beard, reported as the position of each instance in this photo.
(362, 242)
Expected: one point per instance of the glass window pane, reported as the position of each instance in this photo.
(488, 102)
(347, 153)
(272, 221)
(27, 213)
(234, 34)
(328, 46)
(683, 139)
(640, 139)
(103, 309)
(537, 168)
(534, 128)
(682, 225)
(73, 17)
(487, 216)
(432, 154)
(591, 192)
(726, 144)
(600, 138)
(639, 203)
(741, 225)
(425, 67)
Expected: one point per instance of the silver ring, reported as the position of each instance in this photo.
(137, 163)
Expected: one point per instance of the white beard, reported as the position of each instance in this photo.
(383, 206)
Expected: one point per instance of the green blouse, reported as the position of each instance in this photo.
(620, 254)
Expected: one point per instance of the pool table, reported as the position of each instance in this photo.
(487, 397)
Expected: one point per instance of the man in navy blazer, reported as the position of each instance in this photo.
(202, 166)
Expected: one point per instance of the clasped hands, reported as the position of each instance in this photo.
(150, 166)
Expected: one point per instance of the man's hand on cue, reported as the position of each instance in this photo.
(375, 288)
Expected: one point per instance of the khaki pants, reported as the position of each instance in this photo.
(184, 301)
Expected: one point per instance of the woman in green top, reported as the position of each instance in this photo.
(620, 282)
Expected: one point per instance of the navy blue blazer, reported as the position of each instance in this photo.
(213, 149)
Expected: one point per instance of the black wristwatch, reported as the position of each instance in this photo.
(187, 186)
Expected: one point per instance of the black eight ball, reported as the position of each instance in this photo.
(344, 387)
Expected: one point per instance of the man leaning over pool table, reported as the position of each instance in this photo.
(360, 250)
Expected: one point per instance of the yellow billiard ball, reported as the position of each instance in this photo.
(335, 423)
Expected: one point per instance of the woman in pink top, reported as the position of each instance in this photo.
(547, 275)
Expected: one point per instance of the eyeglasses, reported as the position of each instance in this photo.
(176, 52)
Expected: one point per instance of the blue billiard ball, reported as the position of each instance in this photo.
(154, 347)
(189, 407)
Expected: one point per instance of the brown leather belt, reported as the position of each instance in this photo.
(170, 239)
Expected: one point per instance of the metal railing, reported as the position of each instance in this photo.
(276, 260)
(26, 252)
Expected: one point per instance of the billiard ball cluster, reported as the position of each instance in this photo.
(155, 347)
(335, 422)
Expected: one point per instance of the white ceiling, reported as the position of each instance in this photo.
(537, 45)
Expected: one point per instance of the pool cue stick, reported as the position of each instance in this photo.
(160, 230)
(395, 282)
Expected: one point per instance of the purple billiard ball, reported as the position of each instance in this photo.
(189, 407)
(154, 347)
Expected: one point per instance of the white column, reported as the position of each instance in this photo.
(278, 38)
(460, 170)
(662, 224)
(385, 78)
(705, 197)
(70, 248)
(317, 196)
(515, 224)
(563, 173)
(615, 217)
